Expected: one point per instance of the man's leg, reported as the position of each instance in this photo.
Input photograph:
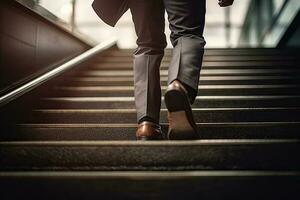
(148, 17)
(187, 19)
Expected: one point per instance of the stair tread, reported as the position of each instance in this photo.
(77, 125)
(163, 143)
(128, 110)
(82, 131)
(73, 101)
(153, 155)
(206, 57)
(200, 87)
(239, 97)
(203, 72)
(201, 78)
(150, 174)
(150, 185)
(205, 90)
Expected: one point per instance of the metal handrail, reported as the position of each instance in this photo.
(55, 72)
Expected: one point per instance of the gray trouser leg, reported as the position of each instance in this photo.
(147, 90)
(149, 23)
(187, 19)
(186, 62)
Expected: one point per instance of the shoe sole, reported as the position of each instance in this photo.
(184, 126)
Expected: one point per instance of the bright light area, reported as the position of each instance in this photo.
(88, 23)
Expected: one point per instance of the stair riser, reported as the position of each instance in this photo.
(206, 58)
(49, 104)
(204, 82)
(205, 65)
(200, 116)
(215, 52)
(29, 133)
(164, 75)
(73, 92)
(93, 186)
(275, 156)
(203, 73)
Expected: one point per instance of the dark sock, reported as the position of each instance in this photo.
(146, 118)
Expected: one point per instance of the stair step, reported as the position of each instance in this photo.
(129, 115)
(200, 101)
(206, 58)
(245, 130)
(205, 65)
(160, 155)
(136, 185)
(103, 65)
(205, 78)
(216, 52)
(211, 72)
(200, 87)
(208, 80)
(102, 91)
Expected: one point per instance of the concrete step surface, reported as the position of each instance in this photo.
(206, 115)
(77, 132)
(271, 154)
(214, 90)
(136, 185)
(87, 102)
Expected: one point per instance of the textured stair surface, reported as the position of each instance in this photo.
(234, 130)
(151, 185)
(195, 155)
(243, 94)
(79, 137)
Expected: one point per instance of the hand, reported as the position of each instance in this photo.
(225, 3)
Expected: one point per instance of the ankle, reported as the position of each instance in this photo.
(149, 119)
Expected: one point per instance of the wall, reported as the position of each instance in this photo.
(30, 45)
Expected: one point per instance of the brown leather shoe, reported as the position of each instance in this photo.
(148, 131)
(181, 121)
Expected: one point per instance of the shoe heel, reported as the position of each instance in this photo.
(183, 126)
(182, 130)
(174, 101)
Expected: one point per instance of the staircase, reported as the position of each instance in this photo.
(78, 140)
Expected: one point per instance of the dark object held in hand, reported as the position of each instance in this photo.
(225, 3)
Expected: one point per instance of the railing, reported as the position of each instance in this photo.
(55, 72)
